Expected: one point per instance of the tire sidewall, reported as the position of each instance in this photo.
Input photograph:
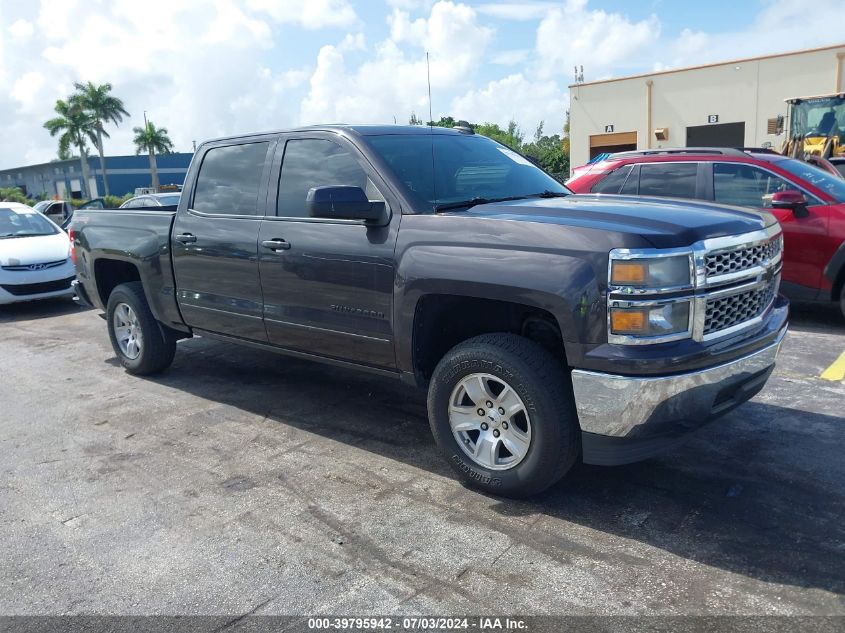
(842, 300)
(545, 427)
(120, 295)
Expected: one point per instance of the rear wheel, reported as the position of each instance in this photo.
(141, 345)
(501, 410)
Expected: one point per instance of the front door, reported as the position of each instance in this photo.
(328, 284)
(215, 241)
(750, 186)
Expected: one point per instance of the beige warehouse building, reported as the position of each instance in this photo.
(730, 104)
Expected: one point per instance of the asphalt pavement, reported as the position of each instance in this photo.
(241, 481)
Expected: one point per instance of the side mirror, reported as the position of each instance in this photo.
(793, 200)
(342, 203)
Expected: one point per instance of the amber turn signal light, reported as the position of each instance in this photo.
(628, 273)
(628, 321)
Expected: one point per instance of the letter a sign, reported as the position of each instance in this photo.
(608, 129)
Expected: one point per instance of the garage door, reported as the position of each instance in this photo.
(613, 142)
(717, 135)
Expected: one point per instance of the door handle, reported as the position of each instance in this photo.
(276, 244)
(186, 238)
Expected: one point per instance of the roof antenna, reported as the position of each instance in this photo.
(431, 129)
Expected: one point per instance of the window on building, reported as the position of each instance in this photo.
(613, 182)
(746, 185)
(229, 179)
(312, 163)
(668, 179)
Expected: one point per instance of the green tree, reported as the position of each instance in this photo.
(152, 140)
(414, 120)
(512, 137)
(103, 108)
(75, 128)
(445, 121)
(12, 194)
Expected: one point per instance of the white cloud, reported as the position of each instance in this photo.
(352, 42)
(514, 97)
(602, 42)
(21, 29)
(411, 5)
(773, 30)
(204, 68)
(26, 88)
(455, 40)
(199, 69)
(516, 10)
(311, 14)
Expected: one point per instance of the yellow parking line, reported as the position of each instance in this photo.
(837, 370)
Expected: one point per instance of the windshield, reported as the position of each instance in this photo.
(439, 169)
(24, 225)
(40, 206)
(825, 181)
(821, 116)
(168, 200)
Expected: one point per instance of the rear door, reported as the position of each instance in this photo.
(328, 284)
(746, 185)
(681, 179)
(215, 239)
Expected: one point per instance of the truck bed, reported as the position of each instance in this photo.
(138, 237)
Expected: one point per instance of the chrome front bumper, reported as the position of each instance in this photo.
(634, 407)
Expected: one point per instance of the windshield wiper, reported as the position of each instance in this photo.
(550, 194)
(476, 201)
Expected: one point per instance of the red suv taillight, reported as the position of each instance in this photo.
(70, 234)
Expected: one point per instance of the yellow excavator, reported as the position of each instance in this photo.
(816, 127)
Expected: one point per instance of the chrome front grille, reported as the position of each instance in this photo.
(724, 262)
(727, 265)
(734, 283)
(726, 312)
(31, 267)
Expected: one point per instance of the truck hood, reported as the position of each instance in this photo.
(40, 249)
(664, 222)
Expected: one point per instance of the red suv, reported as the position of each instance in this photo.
(808, 202)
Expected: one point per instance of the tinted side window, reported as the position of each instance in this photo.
(668, 179)
(229, 179)
(612, 183)
(745, 186)
(309, 163)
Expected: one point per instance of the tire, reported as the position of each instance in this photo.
(549, 421)
(842, 300)
(155, 349)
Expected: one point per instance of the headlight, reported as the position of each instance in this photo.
(650, 296)
(657, 272)
(651, 320)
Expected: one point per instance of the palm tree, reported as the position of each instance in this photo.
(152, 139)
(76, 127)
(103, 108)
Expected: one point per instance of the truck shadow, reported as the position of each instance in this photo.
(41, 309)
(824, 318)
(756, 493)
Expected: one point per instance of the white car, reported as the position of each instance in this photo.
(35, 260)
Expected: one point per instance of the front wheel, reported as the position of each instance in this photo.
(501, 410)
(140, 343)
(842, 300)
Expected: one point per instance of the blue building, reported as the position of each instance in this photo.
(63, 178)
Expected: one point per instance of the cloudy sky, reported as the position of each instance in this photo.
(204, 68)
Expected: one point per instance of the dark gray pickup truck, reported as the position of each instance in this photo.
(547, 327)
